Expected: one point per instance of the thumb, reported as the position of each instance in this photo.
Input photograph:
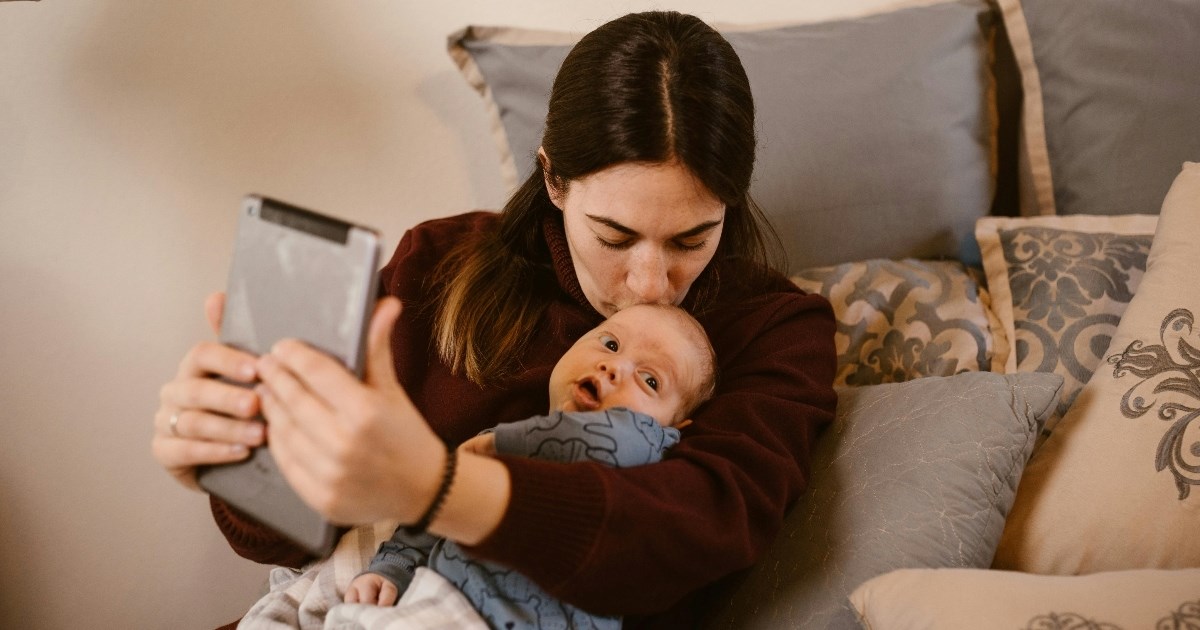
(380, 370)
(214, 306)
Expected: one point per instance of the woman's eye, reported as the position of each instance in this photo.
(650, 380)
(690, 247)
(610, 343)
(607, 244)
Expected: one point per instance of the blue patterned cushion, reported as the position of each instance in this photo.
(1059, 286)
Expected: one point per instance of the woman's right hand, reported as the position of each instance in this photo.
(200, 419)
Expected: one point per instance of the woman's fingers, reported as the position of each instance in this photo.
(194, 424)
(181, 455)
(209, 358)
(207, 394)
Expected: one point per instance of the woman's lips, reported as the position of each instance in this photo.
(585, 395)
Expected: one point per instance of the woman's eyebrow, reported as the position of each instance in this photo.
(698, 229)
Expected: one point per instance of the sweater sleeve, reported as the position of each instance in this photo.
(713, 504)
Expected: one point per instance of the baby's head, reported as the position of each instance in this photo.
(652, 359)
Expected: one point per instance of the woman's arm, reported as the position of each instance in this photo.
(360, 452)
(717, 500)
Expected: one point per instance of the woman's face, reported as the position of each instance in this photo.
(639, 233)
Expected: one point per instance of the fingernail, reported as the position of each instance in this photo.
(247, 371)
(238, 449)
(253, 433)
(245, 405)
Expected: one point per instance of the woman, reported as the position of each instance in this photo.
(640, 195)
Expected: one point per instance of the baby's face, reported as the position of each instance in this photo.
(640, 358)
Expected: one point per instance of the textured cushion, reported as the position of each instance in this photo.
(904, 319)
(874, 133)
(952, 599)
(1112, 487)
(914, 474)
(1058, 287)
(1110, 111)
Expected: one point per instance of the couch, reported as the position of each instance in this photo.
(1002, 202)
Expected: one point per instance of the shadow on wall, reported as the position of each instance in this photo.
(248, 92)
(461, 109)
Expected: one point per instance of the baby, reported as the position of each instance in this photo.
(617, 397)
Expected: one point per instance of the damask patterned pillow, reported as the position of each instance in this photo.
(1059, 286)
(1117, 485)
(903, 319)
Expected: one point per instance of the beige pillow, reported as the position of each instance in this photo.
(932, 599)
(1112, 487)
(1059, 286)
(903, 319)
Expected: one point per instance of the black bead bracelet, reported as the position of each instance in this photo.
(432, 511)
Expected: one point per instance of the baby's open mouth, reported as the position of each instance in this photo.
(586, 394)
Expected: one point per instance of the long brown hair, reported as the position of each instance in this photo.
(646, 87)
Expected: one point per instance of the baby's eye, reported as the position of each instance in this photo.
(610, 343)
(650, 380)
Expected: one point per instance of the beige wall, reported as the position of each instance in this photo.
(128, 133)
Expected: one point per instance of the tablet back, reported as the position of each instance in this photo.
(304, 275)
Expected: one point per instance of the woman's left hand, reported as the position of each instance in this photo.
(357, 452)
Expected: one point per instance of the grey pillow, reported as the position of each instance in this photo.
(874, 133)
(1111, 88)
(910, 475)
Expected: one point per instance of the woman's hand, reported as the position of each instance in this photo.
(201, 420)
(357, 452)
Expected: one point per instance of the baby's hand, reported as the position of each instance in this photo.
(482, 444)
(371, 588)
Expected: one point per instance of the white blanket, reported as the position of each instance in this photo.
(311, 599)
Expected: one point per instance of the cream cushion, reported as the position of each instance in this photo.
(1115, 486)
(932, 599)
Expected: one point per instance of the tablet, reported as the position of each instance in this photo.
(300, 274)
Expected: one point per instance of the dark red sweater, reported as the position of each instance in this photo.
(631, 541)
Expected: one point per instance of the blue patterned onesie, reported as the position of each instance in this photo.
(506, 599)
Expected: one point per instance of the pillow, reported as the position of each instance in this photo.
(1058, 287)
(933, 599)
(914, 474)
(875, 134)
(903, 319)
(1110, 100)
(1111, 488)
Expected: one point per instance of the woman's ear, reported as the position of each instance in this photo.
(551, 189)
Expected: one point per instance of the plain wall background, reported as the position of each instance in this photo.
(129, 131)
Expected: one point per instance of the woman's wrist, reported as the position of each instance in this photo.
(449, 468)
(476, 501)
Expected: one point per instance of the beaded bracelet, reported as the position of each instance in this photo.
(432, 511)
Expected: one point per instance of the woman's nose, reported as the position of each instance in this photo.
(647, 278)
